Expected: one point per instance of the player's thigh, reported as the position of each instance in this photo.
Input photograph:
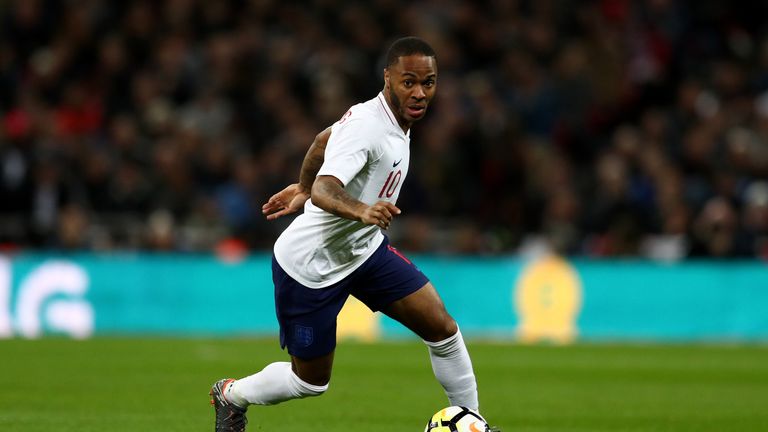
(424, 313)
(307, 318)
(315, 371)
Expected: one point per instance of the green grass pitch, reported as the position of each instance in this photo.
(144, 385)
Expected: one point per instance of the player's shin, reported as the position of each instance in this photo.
(274, 384)
(453, 369)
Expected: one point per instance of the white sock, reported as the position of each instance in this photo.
(453, 369)
(274, 384)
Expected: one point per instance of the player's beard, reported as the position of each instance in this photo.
(398, 106)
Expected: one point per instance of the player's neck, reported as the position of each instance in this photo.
(404, 125)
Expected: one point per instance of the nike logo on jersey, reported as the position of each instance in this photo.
(396, 163)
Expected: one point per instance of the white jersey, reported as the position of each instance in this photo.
(369, 153)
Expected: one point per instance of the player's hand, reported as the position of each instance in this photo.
(380, 214)
(287, 201)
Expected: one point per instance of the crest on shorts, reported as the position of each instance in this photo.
(303, 336)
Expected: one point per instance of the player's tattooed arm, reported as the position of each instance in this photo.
(328, 193)
(313, 160)
(293, 197)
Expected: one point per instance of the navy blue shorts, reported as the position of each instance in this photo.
(307, 316)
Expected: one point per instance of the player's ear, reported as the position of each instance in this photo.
(386, 78)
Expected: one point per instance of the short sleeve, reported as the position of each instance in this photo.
(347, 151)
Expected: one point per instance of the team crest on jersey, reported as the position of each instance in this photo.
(303, 335)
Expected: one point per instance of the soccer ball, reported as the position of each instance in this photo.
(456, 419)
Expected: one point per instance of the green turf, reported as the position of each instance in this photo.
(161, 385)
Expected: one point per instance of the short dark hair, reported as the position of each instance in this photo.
(406, 46)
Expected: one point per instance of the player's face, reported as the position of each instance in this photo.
(410, 84)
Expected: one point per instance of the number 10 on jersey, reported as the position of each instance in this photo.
(390, 186)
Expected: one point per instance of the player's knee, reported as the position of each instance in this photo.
(305, 386)
(442, 330)
(449, 329)
(314, 372)
(318, 378)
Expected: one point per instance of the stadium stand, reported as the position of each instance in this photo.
(594, 128)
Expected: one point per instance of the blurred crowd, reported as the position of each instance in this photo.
(602, 128)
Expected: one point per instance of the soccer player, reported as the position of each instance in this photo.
(349, 182)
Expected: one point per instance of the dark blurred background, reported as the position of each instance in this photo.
(606, 128)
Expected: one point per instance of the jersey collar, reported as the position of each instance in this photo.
(390, 115)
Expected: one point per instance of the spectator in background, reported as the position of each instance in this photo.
(602, 128)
